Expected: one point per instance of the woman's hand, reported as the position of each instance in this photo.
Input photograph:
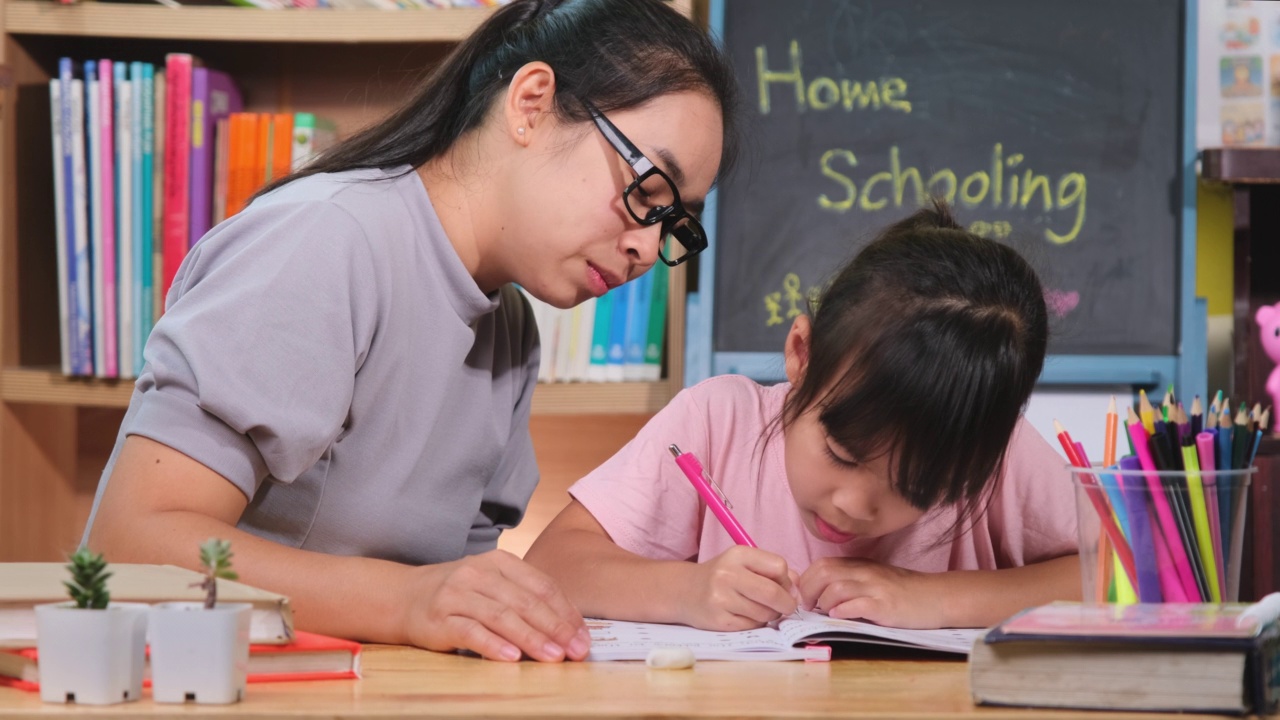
(498, 606)
(740, 589)
(855, 588)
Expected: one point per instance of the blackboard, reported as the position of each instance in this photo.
(1054, 126)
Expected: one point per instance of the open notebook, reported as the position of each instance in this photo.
(797, 637)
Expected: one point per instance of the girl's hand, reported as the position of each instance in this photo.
(742, 588)
(498, 606)
(854, 588)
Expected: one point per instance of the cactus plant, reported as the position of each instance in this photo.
(215, 561)
(88, 584)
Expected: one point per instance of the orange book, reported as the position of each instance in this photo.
(309, 657)
(244, 150)
(281, 145)
(262, 154)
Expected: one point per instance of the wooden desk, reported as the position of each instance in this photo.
(402, 682)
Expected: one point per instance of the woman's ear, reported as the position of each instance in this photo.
(796, 350)
(529, 101)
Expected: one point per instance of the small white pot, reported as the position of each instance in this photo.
(199, 654)
(91, 657)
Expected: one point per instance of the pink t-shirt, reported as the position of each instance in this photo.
(648, 506)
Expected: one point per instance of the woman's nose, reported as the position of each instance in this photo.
(641, 245)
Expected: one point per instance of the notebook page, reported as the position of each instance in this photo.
(805, 626)
(619, 640)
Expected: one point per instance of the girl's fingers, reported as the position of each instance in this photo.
(859, 608)
(838, 593)
(766, 593)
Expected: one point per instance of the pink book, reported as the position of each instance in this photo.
(213, 97)
(177, 162)
(106, 168)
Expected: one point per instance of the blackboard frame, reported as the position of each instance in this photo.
(1187, 367)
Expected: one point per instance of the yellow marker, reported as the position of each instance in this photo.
(1200, 518)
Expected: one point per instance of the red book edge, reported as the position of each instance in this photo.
(302, 642)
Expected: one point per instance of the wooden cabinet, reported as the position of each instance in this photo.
(350, 65)
(1254, 177)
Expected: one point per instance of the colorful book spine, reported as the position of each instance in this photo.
(60, 224)
(80, 198)
(107, 177)
(93, 158)
(159, 132)
(67, 162)
(597, 367)
(139, 206)
(177, 165)
(124, 214)
(618, 333)
(657, 329)
(637, 326)
(213, 97)
(144, 299)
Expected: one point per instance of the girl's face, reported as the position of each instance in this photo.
(841, 498)
(567, 230)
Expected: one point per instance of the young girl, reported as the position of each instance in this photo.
(341, 381)
(892, 479)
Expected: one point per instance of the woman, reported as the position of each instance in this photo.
(341, 382)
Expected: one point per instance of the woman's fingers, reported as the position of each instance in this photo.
(543, 605)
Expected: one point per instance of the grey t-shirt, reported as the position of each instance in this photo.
(327, 352)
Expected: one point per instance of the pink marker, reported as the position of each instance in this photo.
(711, 495)
(1204, 443)
(1168, 526)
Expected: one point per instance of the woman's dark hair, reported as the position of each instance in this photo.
(615, 54)
(924, 349)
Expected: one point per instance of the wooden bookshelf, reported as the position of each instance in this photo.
(239, 24)
(352, 66)
(48, 386)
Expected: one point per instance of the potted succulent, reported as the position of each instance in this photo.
(92, 651)
(200, 651)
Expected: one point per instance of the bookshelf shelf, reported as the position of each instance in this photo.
(49, 386)
(239, 24)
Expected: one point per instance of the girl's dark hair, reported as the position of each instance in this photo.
(924, 349)
(616, 54)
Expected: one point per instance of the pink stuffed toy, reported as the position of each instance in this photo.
(1268, 318)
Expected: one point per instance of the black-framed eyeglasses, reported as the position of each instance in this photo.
(653, 198)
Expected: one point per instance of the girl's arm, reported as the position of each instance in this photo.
(888, 595)
(160, 504)
(742, 588)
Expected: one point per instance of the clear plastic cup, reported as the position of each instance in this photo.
(1161, 536)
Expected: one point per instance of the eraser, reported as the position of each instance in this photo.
(670, 658)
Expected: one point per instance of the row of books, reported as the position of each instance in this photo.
(146, 160)
(339, 4)
(613, 338)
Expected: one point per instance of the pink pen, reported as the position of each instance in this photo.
(711, 495)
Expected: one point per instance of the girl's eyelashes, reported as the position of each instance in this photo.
(837, 460)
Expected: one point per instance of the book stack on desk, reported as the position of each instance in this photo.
(1178, 657)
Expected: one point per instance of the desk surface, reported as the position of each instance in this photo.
(403, 682)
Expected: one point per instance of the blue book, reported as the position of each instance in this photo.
(79, 356)
(637, 326)
(597, 364)
(143, 115)
(618, 332)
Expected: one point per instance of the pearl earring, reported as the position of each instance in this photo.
(520, 131)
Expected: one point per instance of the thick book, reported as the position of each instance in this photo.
(25, 585)
(1149, 657)
(309, 657)
(800, 636)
